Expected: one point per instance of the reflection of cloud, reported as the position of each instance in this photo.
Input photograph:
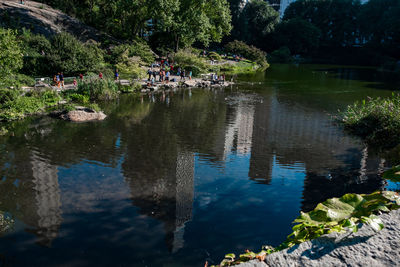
(86, 188)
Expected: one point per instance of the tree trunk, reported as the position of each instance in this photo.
(176, 43)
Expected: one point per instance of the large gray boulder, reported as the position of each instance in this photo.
(83, 115)
(364, 248)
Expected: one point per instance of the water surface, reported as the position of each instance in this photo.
(179, 178)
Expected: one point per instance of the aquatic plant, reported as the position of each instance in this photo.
(377, 120)
(348, 212)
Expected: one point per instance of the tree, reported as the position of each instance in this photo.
(299, 35)
(10, 56)
(187, 21)
(258, 19)
(380, 26)
(336, 19)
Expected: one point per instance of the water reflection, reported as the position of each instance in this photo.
(177, 177)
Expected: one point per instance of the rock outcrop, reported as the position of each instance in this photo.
(364, 248)
(41, 18)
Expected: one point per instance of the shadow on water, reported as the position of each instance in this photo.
(177, 178)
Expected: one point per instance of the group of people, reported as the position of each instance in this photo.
(58, 79)
(165, 72)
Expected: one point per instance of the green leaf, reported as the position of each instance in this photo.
(393, 174)
(230, 256)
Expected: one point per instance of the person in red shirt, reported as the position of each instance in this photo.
(81, 77)
(101, 75)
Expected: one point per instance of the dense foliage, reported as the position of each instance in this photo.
(257, 20)
(15, 105)
(248, 51)
(10, 56)
(181, 22)
(378, 120)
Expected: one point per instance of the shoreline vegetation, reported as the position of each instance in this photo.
(98, 67)
(345, 214)
(376, 120)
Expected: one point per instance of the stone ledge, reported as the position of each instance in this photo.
(364, 248)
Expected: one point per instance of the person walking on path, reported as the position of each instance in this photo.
(183, 74)
(62, 79)
(116, 74)
(58, 80)
(81, 77)
(75, 83)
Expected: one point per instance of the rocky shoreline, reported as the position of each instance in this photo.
(364, 248)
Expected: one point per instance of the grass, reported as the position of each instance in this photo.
(377, 120)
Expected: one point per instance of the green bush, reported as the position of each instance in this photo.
(8, 95)
(214, 56)
(137, 48)
(78, 98)
(377, 120)
(98, 89)
(70, 56)
(10, 57)
(248, 51)
(281, 55)
(189, 61)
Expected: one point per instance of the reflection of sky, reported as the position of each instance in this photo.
(231, 209)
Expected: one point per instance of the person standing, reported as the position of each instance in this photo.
(101, 75)
(75, 83)
(167, 76)
(149, 72)
(183, 74)
(62, 79)
(58, 80)
(190, 75)
(116, 74)
(81, 77)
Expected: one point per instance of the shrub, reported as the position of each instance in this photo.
(248, 51)
(189, 61)
(8, 95)
(377, 120)
(137, 48)
(281, 55)
(98, 89)
(71, 56)
(131, 67)
(10, 57)
(78, 98)
(214, 56)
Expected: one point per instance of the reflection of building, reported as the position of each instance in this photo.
(168, 198)
(239, 131)
(335, 164)
(47, 197)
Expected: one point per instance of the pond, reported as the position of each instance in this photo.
(180, 178)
